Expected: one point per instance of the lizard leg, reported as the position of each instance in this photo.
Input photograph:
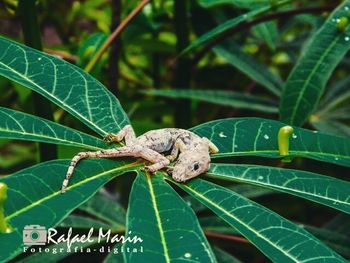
(174, 153)
(158, 160)
(110, 153)
(180, 145)
(126, 133)
(212, 146)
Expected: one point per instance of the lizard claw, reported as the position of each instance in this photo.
(179, 179)
(170, 170)
(147, 169)
(110, 138)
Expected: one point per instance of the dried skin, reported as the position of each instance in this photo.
(191, 152)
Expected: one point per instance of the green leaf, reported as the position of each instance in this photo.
(45, 257)
(318, 188)
(224, 27)
(20, 126)
(216, 224)
(248, 191)
(306, 83)
(34, 195)
(224, 257)
(64, 84)
(337, 94)
(90, 46)
(106, 210)
(221, 97)
(276, 237)
(233, 54)
(168, 227)
(239, 3)
(268, 32)
(337, 241)
(15, 154)
(340, 224)
(341, 113)
(332, 127)
(258, 137)
(115, 257)
(251, 191)
(83, 222)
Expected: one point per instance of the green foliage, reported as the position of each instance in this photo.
(197, 220)
(289, 181)
(306, 83)
(22, 65)
(169, 227)
(264, 228)
(239, 3)
(221, 29)
(258, 137)
(21, 126)
(225, 98)
(231, 52)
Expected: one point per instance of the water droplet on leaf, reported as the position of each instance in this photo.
(222, 135)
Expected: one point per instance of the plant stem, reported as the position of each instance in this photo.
(41, 106)
(62, 54)
(115, 34)
(155, 55)
(113, 69)
(226, 237)
(182, 66)
(248, 24)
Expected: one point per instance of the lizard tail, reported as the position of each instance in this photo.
(110, 153)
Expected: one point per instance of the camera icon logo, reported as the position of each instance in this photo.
(34, 235)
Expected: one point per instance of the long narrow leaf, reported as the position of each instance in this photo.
(168, 227)
(332, 127)
(276, 237)
(306, 83)
(221, 97)
(34, 195)
(20, 126)
(239, 3)
(338, 242)
(268, 32)
(222, 28)
(105, 209)
(315, 187)
(258, 137)
(64, 84)
(233, 54)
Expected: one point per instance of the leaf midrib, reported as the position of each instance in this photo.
(242, 223)
(308, 80)
(304, 154)
(159, 221)
(275, 186)
(71, 143)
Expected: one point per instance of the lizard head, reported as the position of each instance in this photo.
(190, 164)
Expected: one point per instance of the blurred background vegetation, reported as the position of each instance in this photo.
(145, 71)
